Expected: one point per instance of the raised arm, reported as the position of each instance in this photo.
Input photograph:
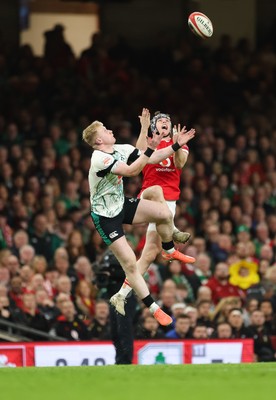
(181, 155)
(142, 142)
(182, 139)
(122, 169)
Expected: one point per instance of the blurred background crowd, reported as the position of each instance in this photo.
(52, 275)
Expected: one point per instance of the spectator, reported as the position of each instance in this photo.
(202, 267)
(63, 267)
(20, 239)
(183, 293)
(200, 332)
(5, 231)
(37, 282)
(13, 265)
(222, 309)
(4, 276)
(175, 273)
(204, 314)
(46, 306)
(26, 254)
(235, 319)
(177, 309)
(68, 325)
(26, 274)
(85, 294)
(39, 264)
(149, 329)
(270, 320)
(167, 299)
(44, 242)
(192, 314)
(262, 343)
(5, 311)
(75, 246)
(64, 285)
(204, 293)
(30, 316)
(56, 50)
(83, 269)
(16, 292)
(251, 305)
(99, 329)
(50, 283)
(223, 331)
(243, 234)
(220, 285)
(182, 328)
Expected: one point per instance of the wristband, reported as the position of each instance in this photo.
(176, 146)
(148, 152)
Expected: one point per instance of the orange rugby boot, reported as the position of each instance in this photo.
(163, 318)
(177, 255)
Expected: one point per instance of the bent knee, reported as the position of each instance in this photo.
(130, 266)
(167, 214)
(153, 193)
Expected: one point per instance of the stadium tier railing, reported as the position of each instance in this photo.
(17, 329)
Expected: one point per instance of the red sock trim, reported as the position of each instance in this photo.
(126, 282)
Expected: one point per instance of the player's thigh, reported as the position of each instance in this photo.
(124, 254)
(151, 211)
(153, 193)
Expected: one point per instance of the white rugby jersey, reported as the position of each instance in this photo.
(106, 188)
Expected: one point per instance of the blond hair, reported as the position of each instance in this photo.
(219, 311)
(89, 134)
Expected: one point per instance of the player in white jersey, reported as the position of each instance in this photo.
(110, 209)
(166, 174)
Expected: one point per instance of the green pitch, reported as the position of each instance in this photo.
(136, 382)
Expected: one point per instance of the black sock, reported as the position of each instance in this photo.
(148, 301)
(168, 245)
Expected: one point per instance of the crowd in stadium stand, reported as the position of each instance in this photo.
(48, 244)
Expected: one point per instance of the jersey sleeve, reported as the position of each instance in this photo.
(185, 148)
(102, 163)
(133, 156)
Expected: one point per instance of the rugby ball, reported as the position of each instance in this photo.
(200, 25)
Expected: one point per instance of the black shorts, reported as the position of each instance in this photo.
(111, 229)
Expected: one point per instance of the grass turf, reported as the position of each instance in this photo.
(137, 382)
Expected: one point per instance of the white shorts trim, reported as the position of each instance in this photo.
(172, 207)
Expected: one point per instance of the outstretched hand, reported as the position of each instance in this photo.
(154, 141)
(176, 131)
(145, 119)
(182, 136)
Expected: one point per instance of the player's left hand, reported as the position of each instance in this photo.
(176, 131)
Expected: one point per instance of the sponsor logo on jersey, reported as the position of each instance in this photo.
(112, 235)
(107, 161)
(166, 163)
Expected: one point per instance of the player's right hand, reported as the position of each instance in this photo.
(154, 141)
(145, 119)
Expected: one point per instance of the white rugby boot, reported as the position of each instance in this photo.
(118, 301)
(180, 237)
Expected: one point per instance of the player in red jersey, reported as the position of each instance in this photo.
(165, 174)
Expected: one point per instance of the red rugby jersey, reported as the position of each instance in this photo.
(164, 174)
